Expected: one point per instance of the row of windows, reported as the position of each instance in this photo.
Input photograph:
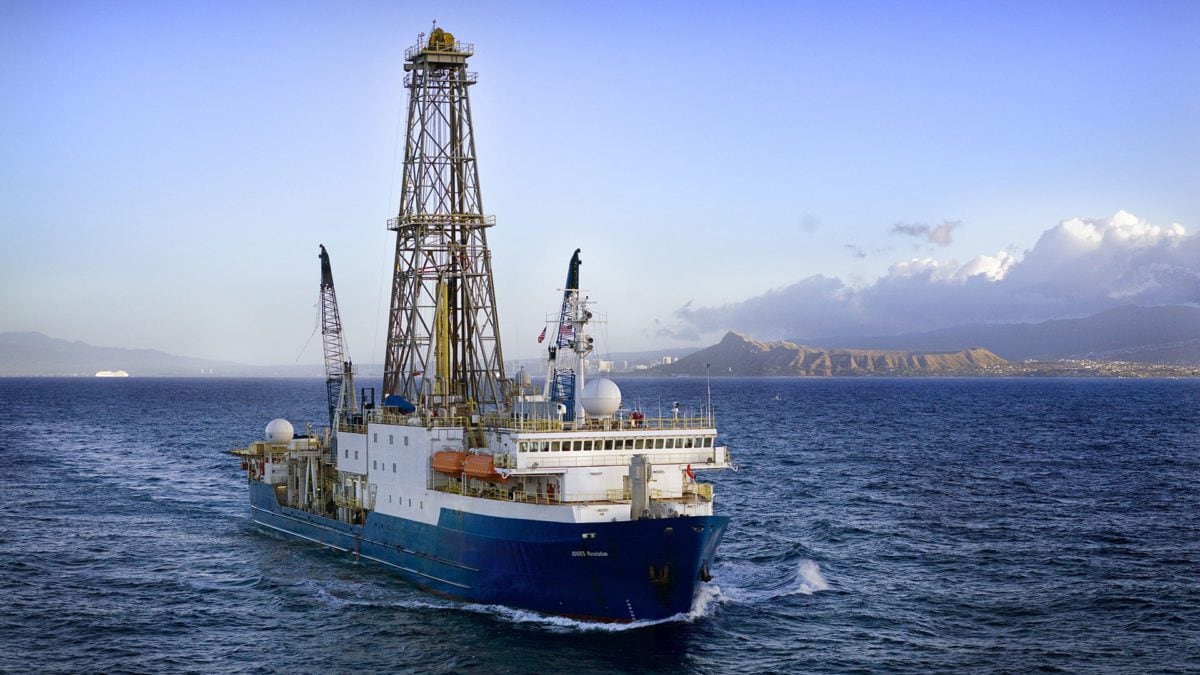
(401, 500)
(391, 439)
(616, 444)
(375, 439)
(375, 465)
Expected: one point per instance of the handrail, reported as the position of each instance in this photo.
(492, 421)
(693, 493)
(620, 424)
(425, 420)
(709, 457)
(461, 48)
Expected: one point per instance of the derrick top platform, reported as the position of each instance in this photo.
(441, 47)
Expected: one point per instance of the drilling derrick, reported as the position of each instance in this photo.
(443, 348)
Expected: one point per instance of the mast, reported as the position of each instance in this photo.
(443, 344)
(339, 378)
(565, 362)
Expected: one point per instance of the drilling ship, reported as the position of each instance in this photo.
(466, 482)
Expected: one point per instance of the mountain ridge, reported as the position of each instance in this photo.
(1168, 334)
(1162, 334)
(738, 354)
(34, 354)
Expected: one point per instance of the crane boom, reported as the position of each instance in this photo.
(561, 369)
(339, 376)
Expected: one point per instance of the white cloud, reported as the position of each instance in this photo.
(994, 268)
(1078, 267)
(928, 269)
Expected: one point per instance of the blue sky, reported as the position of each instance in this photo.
(169, 168)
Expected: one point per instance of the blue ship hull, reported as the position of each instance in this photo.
(644, 570)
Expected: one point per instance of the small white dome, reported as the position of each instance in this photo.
(601, 397)
(280, 432)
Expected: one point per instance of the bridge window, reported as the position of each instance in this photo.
(670, 443)
(708, 441)
(658, 444)
(390, 440)
(393, 467)
(608, 444)
(406, 441)
(639, 444)
(554, 446)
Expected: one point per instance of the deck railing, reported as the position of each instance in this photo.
(704, 457)
(672, 423)
(693, 493)
(616, 424)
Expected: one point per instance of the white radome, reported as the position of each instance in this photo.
(601, 397)
(280, 432)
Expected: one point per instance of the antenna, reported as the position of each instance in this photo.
(708, 383)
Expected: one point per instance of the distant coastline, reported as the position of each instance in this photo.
(740, 355)
(1126, 342)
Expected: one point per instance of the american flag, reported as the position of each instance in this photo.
(566, 333)
(542, 336)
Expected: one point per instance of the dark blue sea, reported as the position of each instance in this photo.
(881, 525)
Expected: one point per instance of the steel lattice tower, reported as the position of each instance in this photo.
(339, 378)
(443, 343)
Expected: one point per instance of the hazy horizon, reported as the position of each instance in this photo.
(784, 170)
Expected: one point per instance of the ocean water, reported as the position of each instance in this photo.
(883, 525)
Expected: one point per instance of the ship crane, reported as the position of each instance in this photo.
(339, 376)
(565, 366)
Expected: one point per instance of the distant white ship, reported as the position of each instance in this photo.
(112, 373)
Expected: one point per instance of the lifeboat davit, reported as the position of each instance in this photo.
(482, 467)
(449, 461)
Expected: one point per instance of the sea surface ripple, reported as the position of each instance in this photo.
(884, 525)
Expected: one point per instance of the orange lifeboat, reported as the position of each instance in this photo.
(449, 461)
(483, 467)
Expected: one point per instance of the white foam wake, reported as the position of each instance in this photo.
(809, 577)
(705, 602)
(707, 598)
(749, 584)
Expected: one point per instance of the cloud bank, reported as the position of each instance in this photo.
(1079, 267)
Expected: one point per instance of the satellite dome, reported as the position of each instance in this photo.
(280, 432)
(601, 397)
